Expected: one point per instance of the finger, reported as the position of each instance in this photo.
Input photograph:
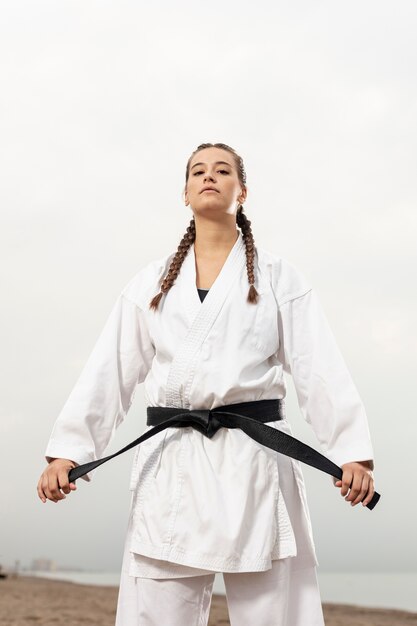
(63, 480)
(40, 490)
(45, 489)
(362, 492)
(346, 482)
(370, 495)
(355, 486)
(54, 488)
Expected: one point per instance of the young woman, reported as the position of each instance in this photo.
(212, 326)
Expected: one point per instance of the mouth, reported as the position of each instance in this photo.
(212, 190)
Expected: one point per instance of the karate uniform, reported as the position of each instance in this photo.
(225, 504)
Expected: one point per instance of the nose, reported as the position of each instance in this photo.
(208, 176)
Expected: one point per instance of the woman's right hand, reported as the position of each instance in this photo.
(53, 483)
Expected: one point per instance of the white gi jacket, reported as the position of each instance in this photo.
(226, 504)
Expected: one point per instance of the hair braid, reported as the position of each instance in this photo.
(189, 236)
(244, 224)
(177, 261)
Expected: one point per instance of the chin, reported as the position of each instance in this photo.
(209, 206)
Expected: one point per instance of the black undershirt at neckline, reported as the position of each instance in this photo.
(202, 293)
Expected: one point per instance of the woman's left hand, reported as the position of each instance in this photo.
(358, 477)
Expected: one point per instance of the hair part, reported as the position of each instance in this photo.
(189, 237)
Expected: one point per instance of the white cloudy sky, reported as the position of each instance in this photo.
(102, 103)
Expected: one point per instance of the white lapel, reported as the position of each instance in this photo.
(201, 316)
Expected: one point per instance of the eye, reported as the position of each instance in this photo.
(221, 171)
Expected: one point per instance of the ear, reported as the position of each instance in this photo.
(242, 196)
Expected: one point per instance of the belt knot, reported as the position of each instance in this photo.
(205, 421)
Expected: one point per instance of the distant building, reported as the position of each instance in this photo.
(43, 565)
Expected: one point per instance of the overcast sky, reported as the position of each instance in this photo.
(102, 104)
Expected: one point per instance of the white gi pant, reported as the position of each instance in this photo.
(276, 597)
(285, 595)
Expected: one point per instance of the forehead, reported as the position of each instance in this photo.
(211, 155)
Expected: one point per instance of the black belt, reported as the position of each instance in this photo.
(248, 416)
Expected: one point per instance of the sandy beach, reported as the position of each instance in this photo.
(27, 601)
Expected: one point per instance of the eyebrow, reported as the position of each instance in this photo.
(216, 163)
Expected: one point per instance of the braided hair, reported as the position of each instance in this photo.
(189, 236)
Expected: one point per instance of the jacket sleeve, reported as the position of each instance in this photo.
(104, 391)
(327, 396)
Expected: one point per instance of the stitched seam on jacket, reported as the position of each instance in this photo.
(291, 298)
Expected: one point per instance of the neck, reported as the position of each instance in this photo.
(214, 238)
